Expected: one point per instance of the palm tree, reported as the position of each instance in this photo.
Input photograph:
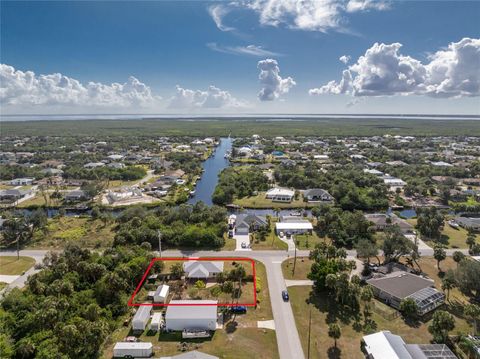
(472, 311)
(366, 296)
(334, 332)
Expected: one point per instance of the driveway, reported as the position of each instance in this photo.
(240, 238)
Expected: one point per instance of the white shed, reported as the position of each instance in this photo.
(141, 318)
(191, 315)
(133, 350)
(161, 294)
(156, 322)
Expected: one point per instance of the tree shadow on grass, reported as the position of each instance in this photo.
(334, 309)
(334, 353)
(231, 327)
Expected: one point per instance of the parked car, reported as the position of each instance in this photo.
(239, 309)
(244, 245)
(285, 296)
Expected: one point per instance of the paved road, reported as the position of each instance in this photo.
(288, 340)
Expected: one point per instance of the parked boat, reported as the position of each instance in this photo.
(453, 224)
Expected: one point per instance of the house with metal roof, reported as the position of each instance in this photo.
(191, 315)
(202, 269)
(192, 355)
(397, 286)
(384, 345)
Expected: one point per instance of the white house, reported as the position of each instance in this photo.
(384, 344)
(278, 194)
(393, 182)
(94, 165)
(161, 294)
(22, 181)
(202, 269)
(141, 318)
(133, 350)
(298, 227)
(191, 315)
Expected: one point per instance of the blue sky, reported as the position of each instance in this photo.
(164, 44)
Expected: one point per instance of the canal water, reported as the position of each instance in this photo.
(212, 168)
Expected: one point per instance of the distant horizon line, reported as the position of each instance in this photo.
(270, 116)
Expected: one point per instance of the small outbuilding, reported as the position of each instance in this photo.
(156, 323)
(141, 318)
(161, 294)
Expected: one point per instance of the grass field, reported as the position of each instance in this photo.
(325, 311)
(10, 265)
(81, 230)
(240, 339)
(243, 127)
(2, 285)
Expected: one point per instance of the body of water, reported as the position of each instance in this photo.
(212, 167)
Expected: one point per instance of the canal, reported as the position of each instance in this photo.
(212, 168)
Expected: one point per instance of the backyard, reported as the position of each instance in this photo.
(259, 201)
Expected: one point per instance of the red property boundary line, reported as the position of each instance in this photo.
(236, 259)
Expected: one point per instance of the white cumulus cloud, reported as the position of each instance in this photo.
(213, 97)
(19, 88)
(344, 59)
(384, 71)
(252, 50)
(273, 85)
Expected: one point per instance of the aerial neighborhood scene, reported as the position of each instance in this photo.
(255, 179)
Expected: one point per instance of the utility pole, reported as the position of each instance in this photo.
(309, 330)
(159, 234)
(295, 260)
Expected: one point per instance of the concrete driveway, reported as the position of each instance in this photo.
(240, 238)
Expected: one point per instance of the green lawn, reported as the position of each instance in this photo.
(259, 201)
(10, 265)
(240, 339)
(307, 241)
(271, 241)
(325, 311)
(302, 268)
(2, 285)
